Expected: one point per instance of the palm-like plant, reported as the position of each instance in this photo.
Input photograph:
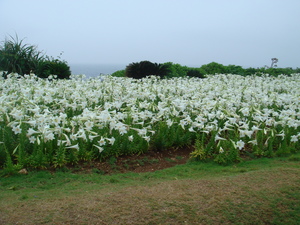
(146, 68)
(22, 58)
(18, 57)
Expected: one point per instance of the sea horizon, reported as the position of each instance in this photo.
(94, 70)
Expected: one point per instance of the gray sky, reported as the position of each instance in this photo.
(190, 32)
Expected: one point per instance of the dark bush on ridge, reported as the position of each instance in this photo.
(49, 67)
(176, 70)
(213, 68)
(145, 68)
(194, 73)
(250, 71)
(233, 69)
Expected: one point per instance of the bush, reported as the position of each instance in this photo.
(233, 69)
(16, 57)
(145, 68)
(176, 70)
(119, 73)
(194, 73)
(213, 68)
(59, 68)
(45, 68)
(250, 71)
(278, 71)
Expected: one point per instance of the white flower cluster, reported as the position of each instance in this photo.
(80, 109)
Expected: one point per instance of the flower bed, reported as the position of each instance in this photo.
(48, 122)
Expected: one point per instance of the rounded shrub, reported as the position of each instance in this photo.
(59, 68)
(176, 70)
(194, 73)
(142, 69)
(213, 68)
(233, 69)
(119, 73)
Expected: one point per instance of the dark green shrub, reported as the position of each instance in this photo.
(213, 68)
(146, 68)
(250, 71)
(194, 73)
(42, 68)
(46, 67)
(161, 70)
(176, 70)
(59, 68)
(233, 69)
(278, 71)
(139, 70)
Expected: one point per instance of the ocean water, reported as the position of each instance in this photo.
(94, 70)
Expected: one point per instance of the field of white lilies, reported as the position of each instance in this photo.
(49, 122)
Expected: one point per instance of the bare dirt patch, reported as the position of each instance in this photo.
(147, 162)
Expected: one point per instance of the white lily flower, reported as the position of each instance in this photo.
(102, 141)
(218, 138)
(111, 140)
(99, 148)
(74, 147)
(253, 142)
(294, 138)
(240, 144)
(30, 132)
(221, 150)
(17, 129)
(32, 139)
(130, 138)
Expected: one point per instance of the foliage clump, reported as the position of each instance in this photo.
(118, 73)
(195, 73)
(21, 58)
(51, 66)
(145, 68)
(177, 70)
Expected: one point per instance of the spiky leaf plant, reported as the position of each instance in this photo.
(17, 57)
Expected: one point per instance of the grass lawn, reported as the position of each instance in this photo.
(262, 191)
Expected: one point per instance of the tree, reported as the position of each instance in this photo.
(274, 61)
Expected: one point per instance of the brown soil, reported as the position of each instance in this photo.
(147, 162)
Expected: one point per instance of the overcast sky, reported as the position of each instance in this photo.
(190, 32)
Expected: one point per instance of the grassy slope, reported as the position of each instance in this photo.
(264, 191)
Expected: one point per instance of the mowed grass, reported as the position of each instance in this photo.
(262, 191)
